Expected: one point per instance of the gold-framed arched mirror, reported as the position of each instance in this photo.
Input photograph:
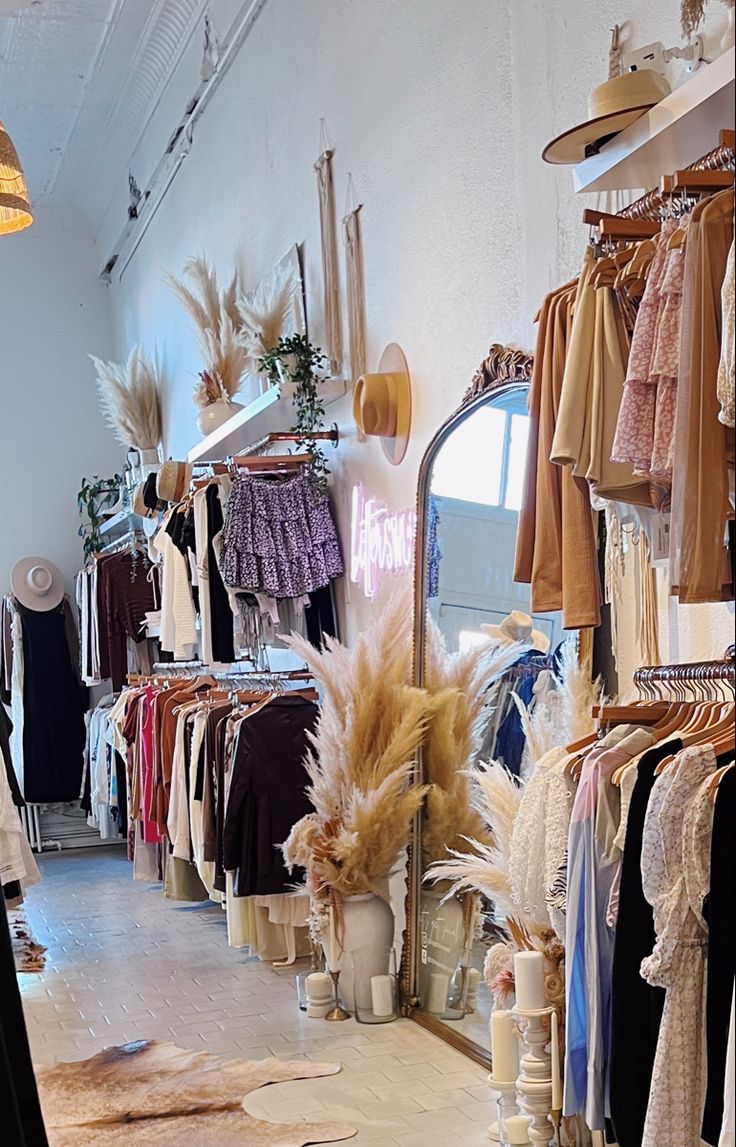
(469, 495)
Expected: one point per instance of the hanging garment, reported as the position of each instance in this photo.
(178, 617)
(220, 610)
(719, 915)
(21, 1114)
(728, 1130)
(556, 549)
(125, 594)
(527, 848)
(699, 565)
(53, 710)
(267, 794)
(726, 385)
(589, 940)
(279, 537)
(636, 1006)
(675, 862)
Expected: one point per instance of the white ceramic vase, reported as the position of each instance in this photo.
(215, 415)
(369, 923)
(442, 932)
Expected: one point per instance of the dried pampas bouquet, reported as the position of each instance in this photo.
(217, 327)
(371, 725)
(459, 683)
(130, 397)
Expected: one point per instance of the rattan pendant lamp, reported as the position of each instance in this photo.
(15, 206)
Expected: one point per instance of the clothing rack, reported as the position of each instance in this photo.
(720, 158)
(179, 668)
(130, 539)
(689, 681)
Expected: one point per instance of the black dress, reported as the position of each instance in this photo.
(22, 1122)
(267, 794)
(719, 914)
(636, 1006)
(53, 711)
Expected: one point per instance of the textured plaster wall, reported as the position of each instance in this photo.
(440, 111)
(53, 312)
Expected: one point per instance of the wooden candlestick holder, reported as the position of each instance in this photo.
(506, 1089)
(534, 1085)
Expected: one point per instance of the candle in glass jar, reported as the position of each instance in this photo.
(382, 995)
(556, 1075)
(504, 1047)
(439, 986)
(516, 1129)
(529, 977)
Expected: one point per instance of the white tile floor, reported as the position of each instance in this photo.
(124, 964)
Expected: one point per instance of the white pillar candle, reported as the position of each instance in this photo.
(516, 1129)
(334, 956)
(382, 995)
(556, 1074)
(529, 977)
(504, 1047)
(319, 987)
(439, 986)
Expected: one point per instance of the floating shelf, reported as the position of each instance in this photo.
(672, 135)
(125, 520)
(270, 412)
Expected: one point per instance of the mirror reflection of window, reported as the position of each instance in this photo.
(483, 461)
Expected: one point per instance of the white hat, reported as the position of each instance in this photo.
(518, 626)
(37, 584)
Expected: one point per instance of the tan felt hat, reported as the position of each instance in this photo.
(518, 626)
(37, 584)
(173, 481)
(382, 404)
(611, 107)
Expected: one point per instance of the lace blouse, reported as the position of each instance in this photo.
(675, 871)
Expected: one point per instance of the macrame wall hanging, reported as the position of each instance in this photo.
(355, 283)
(328, 226)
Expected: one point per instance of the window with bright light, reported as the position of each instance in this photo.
(484, 460)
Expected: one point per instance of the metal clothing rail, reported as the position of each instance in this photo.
(720, 159)
(689, 681)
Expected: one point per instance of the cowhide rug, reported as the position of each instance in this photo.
(152, 1094)
(29, 956)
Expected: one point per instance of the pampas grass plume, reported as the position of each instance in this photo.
(130, 397)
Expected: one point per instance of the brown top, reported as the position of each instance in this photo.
(124, 596)
(556, 543)
(700, 567)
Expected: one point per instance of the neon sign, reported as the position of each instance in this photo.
(381, 540)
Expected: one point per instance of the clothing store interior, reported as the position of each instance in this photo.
(367, 663)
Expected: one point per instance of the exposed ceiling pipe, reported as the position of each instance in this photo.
(217, 58)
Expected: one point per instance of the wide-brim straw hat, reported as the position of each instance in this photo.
(37, 584)
(518, 626)
(382, 404)
(611, 108)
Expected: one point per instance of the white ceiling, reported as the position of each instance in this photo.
(78, 79)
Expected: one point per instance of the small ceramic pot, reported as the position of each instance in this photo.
(215, 415)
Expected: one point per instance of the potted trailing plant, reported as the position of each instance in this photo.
(94, 498)
(294, 359)
(372, 722)
(217, 325)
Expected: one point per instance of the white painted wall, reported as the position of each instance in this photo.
(53, 312)
(440, 110)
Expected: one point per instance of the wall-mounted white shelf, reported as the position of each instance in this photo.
(271, 412)
(672, 135)
(124, 520)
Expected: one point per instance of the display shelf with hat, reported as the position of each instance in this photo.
(612, 106)
(382, 404)
(37, 584)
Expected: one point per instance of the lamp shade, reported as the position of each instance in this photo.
(15, 207)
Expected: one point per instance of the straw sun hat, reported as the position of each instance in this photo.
(611, 107)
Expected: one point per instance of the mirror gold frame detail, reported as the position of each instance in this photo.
(504, 369)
